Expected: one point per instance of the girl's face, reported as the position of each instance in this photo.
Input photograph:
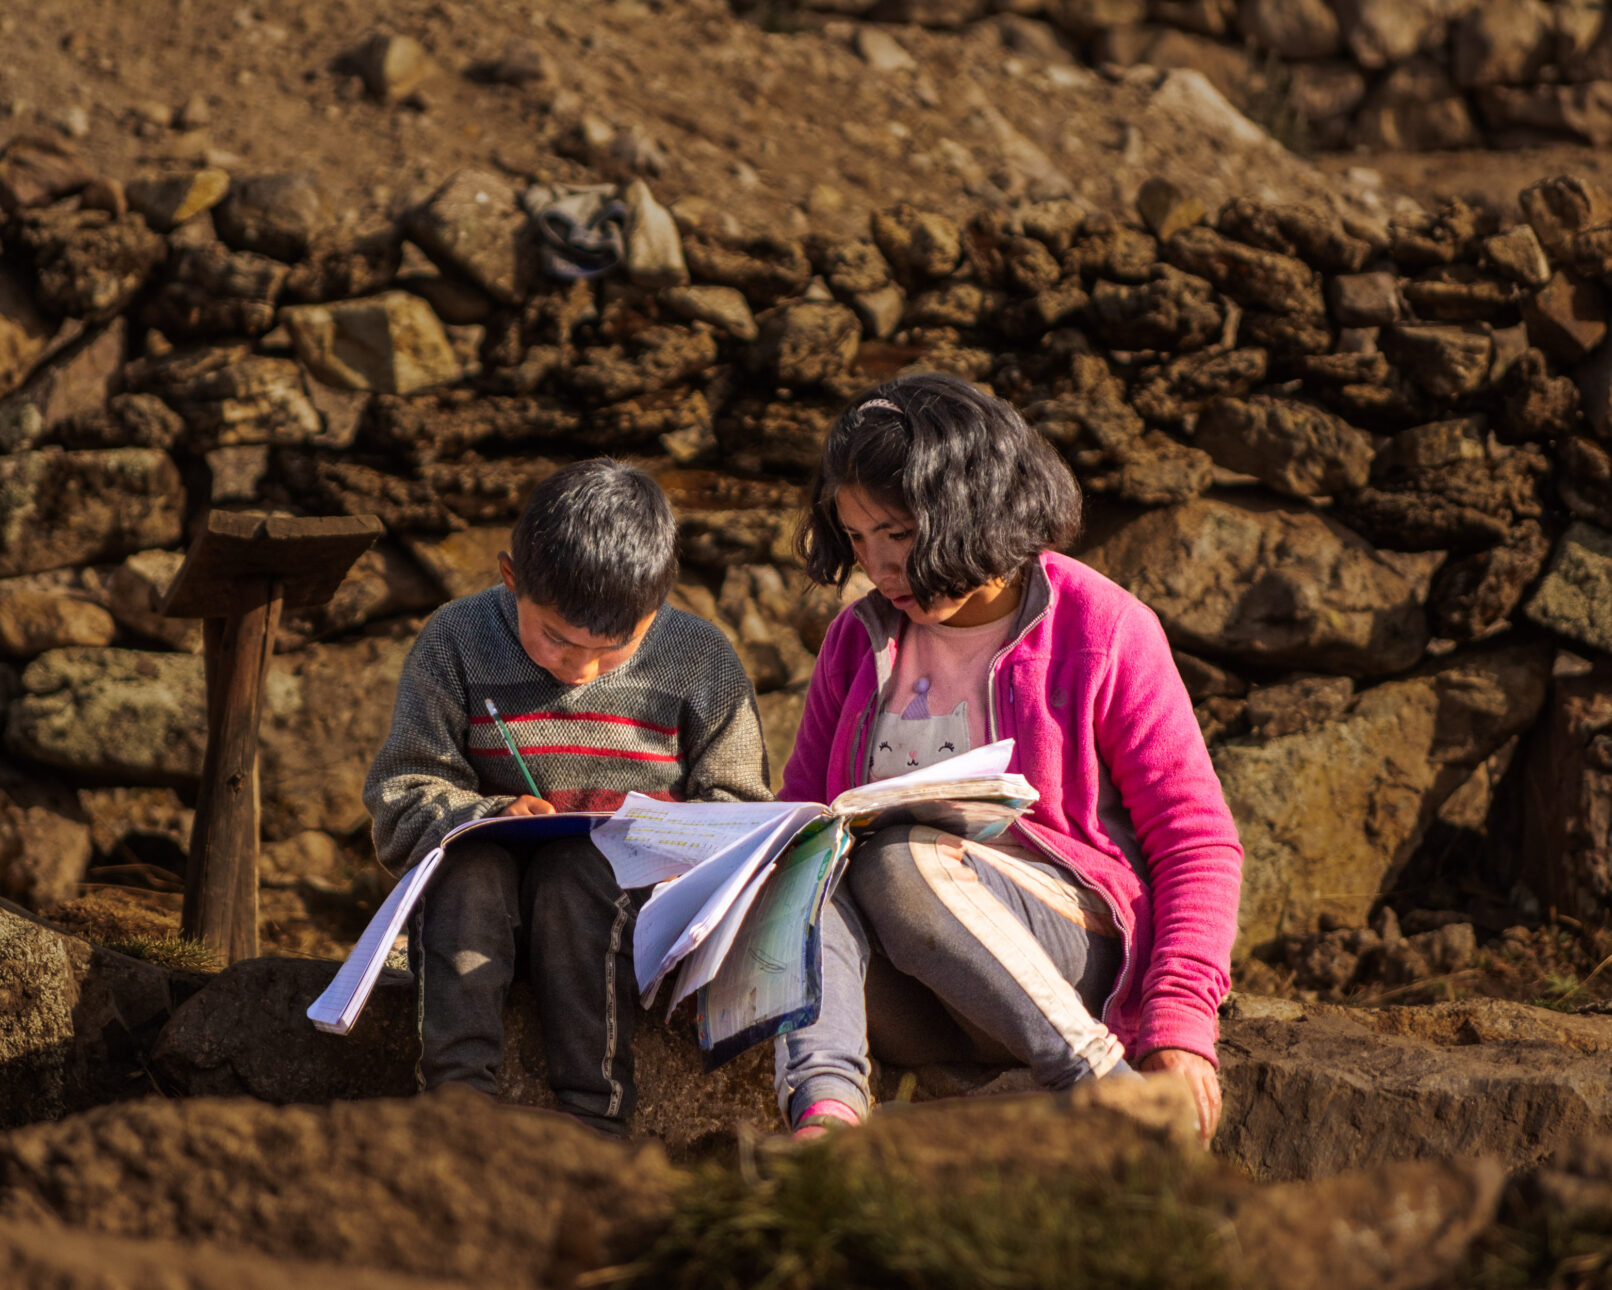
(881, 538)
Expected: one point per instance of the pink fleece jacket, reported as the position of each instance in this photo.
(1129, 800)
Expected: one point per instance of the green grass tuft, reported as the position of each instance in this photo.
(181, 953)
(1270, 106)
(1559, 991)
(819, 1221)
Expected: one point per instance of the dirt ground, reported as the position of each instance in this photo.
(1480, 177)
(778, 129)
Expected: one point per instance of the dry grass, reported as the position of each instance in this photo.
(814, 1220)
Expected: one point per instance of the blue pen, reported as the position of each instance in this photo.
(509, 742)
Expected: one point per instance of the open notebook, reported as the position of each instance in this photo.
(739, 888)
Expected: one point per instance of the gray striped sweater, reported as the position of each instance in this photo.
(677, 721)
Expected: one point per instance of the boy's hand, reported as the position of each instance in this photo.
(526, 804)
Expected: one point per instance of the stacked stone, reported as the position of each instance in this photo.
(1401, 74)
(1359, 471)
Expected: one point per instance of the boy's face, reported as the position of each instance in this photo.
(571, 655)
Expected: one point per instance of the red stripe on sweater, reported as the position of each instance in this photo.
(538, 750)
(578, 716)
(596, 799)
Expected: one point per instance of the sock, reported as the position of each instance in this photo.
(829, 1107)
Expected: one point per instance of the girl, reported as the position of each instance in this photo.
(1097, 935)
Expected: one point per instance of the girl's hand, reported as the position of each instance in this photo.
(1201, 1079)
(526, 804)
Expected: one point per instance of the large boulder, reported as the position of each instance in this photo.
(1313, 1090)
(1575, 596)
(59, 508)
(1398, 1225)
(327, 709)
(1567, 802)
(1174, 393)
(1582, 112)
(1380, 33)
(275, 215)
(140, 717)
(248, 399)
(1171, 311)
(474, 225)
(1308, 29)
(76, 1021)
(1447, 484)
(44, 843)
(1293, 447)
(1254, 278)
(805, 342)
(1330, 815)
(210, 290)
(1474, 596)
(446, 1186)
(1502, 42)
(88, 263)
(36, 619)
(1268, 584)
(130, 715)
(76, 382)
(24, 331)
(391, 343)
(408, 1192)
(48, 1254)
(247, 1032)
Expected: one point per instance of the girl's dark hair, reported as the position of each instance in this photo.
(987, 492)
(598, 543)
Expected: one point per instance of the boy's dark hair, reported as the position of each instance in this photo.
(988, 493)
(597, 542)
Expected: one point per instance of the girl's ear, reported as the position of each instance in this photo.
(506, 570)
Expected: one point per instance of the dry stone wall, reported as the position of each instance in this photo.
(1396, 74)
(1360, 470)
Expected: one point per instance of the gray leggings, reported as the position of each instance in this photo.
(998, 941)
(562, 907)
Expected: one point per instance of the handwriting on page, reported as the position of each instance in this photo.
(648, 841)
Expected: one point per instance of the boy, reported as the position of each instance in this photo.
(605, 689)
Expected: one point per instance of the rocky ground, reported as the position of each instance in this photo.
(771, 127)
(1377, 416)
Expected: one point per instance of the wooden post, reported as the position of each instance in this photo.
(238, 576)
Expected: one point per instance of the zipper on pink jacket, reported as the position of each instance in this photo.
(864, 728)
(992, 727)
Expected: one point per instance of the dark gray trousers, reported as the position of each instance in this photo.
(559, 906)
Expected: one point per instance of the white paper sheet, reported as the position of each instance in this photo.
(701, 963)
(683, 911)
(987, 759)
(648, 841)
(337, 1008)
(980, 772)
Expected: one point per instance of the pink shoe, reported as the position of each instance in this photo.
(821, 1117)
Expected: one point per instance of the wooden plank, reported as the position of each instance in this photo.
(244, 910)
(309, 555)
(224, 839)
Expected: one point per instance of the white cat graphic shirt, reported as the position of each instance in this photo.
(938, 701)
